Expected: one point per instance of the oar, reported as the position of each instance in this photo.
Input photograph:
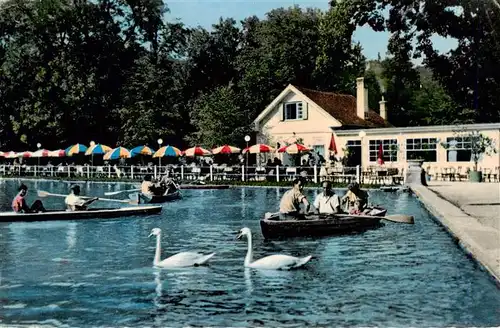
(42, 193)
(399, 218)
(112, 193)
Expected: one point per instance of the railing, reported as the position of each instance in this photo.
(209, 173)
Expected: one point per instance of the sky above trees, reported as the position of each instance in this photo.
(204, 13)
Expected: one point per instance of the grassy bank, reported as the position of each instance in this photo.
(218, 182)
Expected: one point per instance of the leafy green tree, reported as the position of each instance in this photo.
(217, 118)
(279, 50)
(211, 56)
(432, 105)
(339, 61)
(469, 73)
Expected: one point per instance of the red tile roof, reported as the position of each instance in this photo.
(343, 108)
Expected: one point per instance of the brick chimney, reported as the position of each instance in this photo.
(383, 109)
(361, 98)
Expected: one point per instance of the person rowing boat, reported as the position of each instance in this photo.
(149, 189)
(355, 200)
(291, 200)
(75, 202)
(168, 185)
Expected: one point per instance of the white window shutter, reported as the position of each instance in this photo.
(304, 110)
(282, 111)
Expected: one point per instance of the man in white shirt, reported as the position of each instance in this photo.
(327, 202)
(76, 203)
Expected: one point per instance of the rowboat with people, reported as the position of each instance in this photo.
(76, 207)
(167, 197)
(91, 213)
(152, 193)
(326, 224)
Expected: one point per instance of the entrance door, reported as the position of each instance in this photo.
(354, 157)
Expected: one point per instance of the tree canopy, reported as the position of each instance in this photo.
(117, 72)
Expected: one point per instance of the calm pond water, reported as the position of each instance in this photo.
(99, 272)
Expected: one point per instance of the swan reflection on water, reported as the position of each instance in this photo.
(248, 281)
(158, 288)
(71, 235)
(266, 278)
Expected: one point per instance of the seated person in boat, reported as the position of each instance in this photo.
(147, 185)
(327, 202)
(75, 202)
(149, 188)
(168, 185)
(290, 202)
(355, 199)
(19, 203)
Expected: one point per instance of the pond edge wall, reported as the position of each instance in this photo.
(467, 231)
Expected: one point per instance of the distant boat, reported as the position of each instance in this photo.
(160, 199)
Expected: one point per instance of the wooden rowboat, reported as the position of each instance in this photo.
(394, 188)
(91, 213)
(317, 225)
(160, 199)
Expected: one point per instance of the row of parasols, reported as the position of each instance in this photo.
(121, 152)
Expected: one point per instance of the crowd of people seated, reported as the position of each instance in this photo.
(355, 201)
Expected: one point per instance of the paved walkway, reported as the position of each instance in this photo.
(471, 212)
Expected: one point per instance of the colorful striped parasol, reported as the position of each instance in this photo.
(76, 149)
(294, 149)
(142, 150)
(380, 155)
(57, 153)
(226, 149)
(10, 154)
(40, 153)
(168, 151)
(97, 149)
(196, 151)
(117, 153)
(25, 154)
(333, 146)
(259, 148)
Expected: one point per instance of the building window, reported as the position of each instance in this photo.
(353, 143)
(389, 148)
(353, 155)
(293, 111)
(422, 148)
(459, 149)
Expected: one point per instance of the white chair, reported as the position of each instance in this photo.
(291, 172)
(118, 172)
(79, 170)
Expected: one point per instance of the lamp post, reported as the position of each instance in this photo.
(160, 141)
(38, 145)
(92, 144)
(247, 139)
(362, 135)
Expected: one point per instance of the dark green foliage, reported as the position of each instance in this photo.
(218, 119)
(469, 74)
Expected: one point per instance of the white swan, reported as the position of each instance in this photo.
(183, 259)
(272, 262)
